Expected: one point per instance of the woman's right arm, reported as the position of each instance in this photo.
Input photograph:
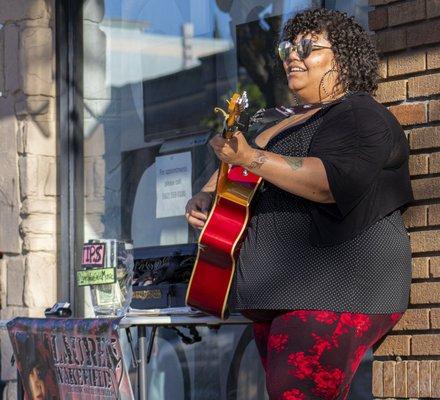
(196, 211)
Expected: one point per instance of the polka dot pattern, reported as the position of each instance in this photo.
(278, 267)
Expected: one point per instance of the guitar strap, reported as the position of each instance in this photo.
(276, 114)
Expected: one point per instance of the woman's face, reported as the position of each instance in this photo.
(36, 385)
(305, 81)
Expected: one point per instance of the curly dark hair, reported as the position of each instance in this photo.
(355, 54)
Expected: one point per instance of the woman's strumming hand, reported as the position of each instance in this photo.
(196, 211)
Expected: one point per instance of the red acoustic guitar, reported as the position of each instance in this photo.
(223, 233)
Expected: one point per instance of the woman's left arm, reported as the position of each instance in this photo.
(302, 176)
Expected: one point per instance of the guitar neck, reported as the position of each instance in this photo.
(224, 167)
(222, 177)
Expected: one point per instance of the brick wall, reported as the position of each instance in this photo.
(407, 34)
(28, 194)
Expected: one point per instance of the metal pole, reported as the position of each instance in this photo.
(142, 368)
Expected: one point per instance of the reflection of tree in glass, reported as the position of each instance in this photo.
(256, 102)
(214, 122)
(256, 98)
(256, 52)
(261, 72)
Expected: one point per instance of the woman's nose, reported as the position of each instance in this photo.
(293, 55)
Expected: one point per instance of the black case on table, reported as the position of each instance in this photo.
(170, 280)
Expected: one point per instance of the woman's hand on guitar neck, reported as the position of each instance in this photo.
(196, 211)
(235, 150)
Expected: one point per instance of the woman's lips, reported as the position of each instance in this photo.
(295, 70)
(293, 73)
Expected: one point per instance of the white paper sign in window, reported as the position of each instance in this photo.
(173, 184)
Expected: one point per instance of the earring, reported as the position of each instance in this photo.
(321, 84)
(339, 88)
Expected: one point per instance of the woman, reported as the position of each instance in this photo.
(325, 268)
(35, 368)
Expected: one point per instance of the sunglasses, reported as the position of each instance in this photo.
(303, 48)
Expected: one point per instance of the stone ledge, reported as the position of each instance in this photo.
(15, 276)
(17, 10)
(36, 60)
(35, 106)
(3, 281)
(38, 224)
(37, 137)
(2, 62)
(11, 64)
(8, 371)
(34, 242)
(39, 206)
(40, 280)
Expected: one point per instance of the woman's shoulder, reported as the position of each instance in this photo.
(354, 101)
(360, 106)
(358, 115)
(365, 101)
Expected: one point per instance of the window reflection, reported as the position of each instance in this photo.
(152, 76)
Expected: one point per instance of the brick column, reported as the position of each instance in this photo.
(28, 154)
(407, 33)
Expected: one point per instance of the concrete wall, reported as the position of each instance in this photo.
(28, 190)
(407, 34)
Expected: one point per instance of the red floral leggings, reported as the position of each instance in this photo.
(311, 355)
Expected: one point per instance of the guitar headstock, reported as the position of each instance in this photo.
(235, 119)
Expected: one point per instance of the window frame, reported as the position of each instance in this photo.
(70, 175)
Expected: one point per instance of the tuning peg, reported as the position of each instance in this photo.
(223, 112)
(244, 101)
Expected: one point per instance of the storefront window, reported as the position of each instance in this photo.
(153, 73)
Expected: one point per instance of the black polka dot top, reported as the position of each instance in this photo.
(279, 269)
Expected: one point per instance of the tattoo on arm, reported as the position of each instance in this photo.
(259, 159)
(294, 162)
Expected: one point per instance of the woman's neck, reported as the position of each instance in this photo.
(313, 99)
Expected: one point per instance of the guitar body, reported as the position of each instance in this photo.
(220, 241)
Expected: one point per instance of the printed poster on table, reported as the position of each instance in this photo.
(173, 184)
(70, 359)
